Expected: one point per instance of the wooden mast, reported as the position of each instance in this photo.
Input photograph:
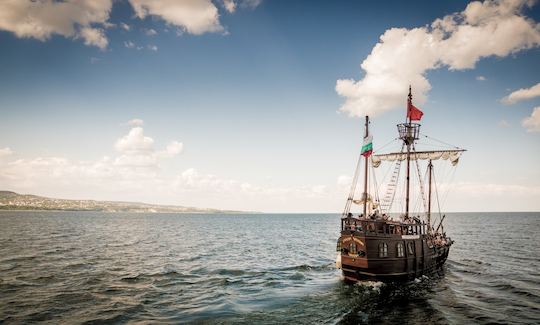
(408, 143)
(365, 196)
(430, 169)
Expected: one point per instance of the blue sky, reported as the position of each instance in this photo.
(248, 99)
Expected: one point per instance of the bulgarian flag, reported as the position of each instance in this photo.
(367, 147)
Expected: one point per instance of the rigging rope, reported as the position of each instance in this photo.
(437, 195)
(376, 186)
(420, 181)
(445, 195)
(440, 141)
(353, 188)
(387, 144)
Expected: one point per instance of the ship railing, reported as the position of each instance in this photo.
(380, 227)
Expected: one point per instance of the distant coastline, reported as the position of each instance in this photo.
(27, 202)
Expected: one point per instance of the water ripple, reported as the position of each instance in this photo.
(94, 268)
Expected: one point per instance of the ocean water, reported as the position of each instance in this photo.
(89, 267)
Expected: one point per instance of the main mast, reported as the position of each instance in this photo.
(408, 153)
(430, 169)
(365, 195)
(408, 132)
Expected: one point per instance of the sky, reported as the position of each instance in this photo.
(259, 105)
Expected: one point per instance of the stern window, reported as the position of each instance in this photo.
(383, 250)
(400, 250)
(410, 247)
(352, 247)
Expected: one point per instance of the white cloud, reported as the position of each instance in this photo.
(134, 142)
(481, 78)
(153, 48)
(472, 189)
(136, 122)
(504, 123)
(137, 150)
(522, 94)
(194, 16)
(344, 180)
(173, 148)
(129, 44)
(250, 3)
(192, 181)
(457, 41)
(125, 26)
(150, 32)
(94, 36)
(135, 174)
(532, 123)
(70, 18)
(229, 5)
(4, 152)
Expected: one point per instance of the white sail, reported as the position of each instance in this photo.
(452, 155)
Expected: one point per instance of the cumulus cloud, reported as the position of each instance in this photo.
(129, 44)
(344, 180)
(134, 142)
(150, 32)
(457, 41)
(522, 94)
(153, 48)
(137, 160)
(229, 5)
(173, 148)
(4, 152)
(94, 36)
(532, 123)
(250, 3)
(481, 78)
(88, 19)
(70, 18)
(136, 122)
(193, 181)
(194, 16)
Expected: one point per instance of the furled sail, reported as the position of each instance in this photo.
(452, 155)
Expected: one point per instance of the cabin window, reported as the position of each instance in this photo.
(338, 246)
(400, 250)
(410, 248)
(383, 250)
(352, 247)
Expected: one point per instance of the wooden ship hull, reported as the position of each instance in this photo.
(386, 255)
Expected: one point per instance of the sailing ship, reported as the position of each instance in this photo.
(380, 243)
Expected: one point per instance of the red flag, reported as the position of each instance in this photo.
(414, 113)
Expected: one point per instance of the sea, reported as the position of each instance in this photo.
(130, 268)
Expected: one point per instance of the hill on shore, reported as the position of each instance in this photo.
(14, 201)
